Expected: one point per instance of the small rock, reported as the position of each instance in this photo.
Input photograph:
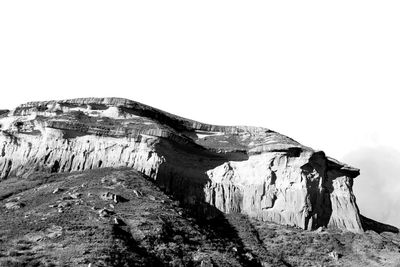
(13, 205)
(249, 256)
(152, 198)
(66, 197)
(60, 210)
(75, 195)
(137, 193)
(112, 206)
(334, 255)
(64, 204)
(57, 190)
(118, 221)
(110, 196)
(54, 231)
(105, 213)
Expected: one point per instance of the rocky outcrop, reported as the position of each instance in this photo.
(249, 170)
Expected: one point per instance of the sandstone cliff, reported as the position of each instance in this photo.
(247, 170)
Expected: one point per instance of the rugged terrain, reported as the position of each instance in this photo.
(117, 217)
(249, 170)
(112, 182)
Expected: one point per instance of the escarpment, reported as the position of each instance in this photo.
(230, 169)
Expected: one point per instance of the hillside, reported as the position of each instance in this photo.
(116, 217)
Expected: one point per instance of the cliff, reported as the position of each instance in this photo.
(233, 169)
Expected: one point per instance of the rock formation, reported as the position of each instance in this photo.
(247, 170)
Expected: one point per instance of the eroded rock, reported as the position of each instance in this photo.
(249, 170)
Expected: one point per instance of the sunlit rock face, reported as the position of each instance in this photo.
(249, 170)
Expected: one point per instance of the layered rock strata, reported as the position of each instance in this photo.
(249, 170)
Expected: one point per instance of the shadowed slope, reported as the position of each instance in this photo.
(117, 217)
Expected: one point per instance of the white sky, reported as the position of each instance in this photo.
(325, 73)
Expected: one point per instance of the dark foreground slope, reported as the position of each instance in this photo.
(116, 217)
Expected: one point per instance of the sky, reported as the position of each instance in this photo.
(325, 73)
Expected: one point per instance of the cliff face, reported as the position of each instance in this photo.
(248, 170)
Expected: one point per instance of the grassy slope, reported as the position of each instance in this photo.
(152, 229)
(148, 228)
